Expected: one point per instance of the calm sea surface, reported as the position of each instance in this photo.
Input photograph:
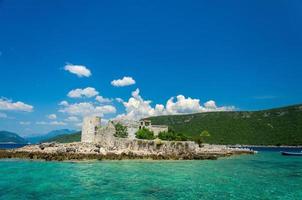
(267, 175)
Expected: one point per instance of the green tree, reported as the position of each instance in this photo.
(205, 134)
(120, 131)
(201, 138)
(172, 136)
(144, 133)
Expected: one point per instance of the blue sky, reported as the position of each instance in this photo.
(243, 55)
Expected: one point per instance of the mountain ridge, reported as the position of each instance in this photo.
(51, 134)
(276, 126)
(7, 137)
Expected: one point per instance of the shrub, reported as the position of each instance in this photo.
(201, 138)
(144, 133)
(120, 131)
(172, 136)
(205, 133)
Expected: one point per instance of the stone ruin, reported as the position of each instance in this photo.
(94, 132)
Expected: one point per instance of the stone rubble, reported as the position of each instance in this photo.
(124, 149)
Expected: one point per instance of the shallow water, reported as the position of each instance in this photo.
(267, 175)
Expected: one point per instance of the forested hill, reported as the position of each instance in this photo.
(9, 137)
(281, 126)
(66, 138)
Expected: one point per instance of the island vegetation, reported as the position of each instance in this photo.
(121, 131)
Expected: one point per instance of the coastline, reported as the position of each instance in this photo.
(84, 151)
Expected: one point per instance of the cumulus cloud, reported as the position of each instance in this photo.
(80, 93)
(6, 104)
(136, 107)
(72, 119)
(101, 99)
(52, 116)
(182, 105)
(125, 81)
(79, 70)
(210, 104)
(87, 109)
(63, 103)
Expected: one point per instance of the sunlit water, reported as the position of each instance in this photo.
(267, 175)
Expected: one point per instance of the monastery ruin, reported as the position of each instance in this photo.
(94, 132)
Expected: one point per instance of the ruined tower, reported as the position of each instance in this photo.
(89, 128)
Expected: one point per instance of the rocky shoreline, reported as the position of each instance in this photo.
(138, 149)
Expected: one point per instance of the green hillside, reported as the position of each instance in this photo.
(9, 137)
(66, 138)
(281, 126)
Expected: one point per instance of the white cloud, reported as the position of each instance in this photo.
(87, 109)
(79, 93)
(210, 104)
(136, 107)
(6, 104)
(63, 103)
(125, 81)
(52, 116)
(54, 123)
(101, 99)
(120, 100)
(3, 115)
(79, 70)
(41, 123)
(24, 123)
(182, 105)
(72, 119)
(57, 123)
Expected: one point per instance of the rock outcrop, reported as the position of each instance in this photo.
(123, 149)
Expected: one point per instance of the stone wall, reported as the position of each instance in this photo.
(89, 129)
(105, 135)
(158, 128)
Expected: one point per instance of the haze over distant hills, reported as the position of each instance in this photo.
(51, 134)
(10, 137)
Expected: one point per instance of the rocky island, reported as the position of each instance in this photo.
(102, 142)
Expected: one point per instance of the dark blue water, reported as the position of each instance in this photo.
(276, 149)
(11, 146)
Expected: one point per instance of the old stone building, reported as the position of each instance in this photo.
(156, 129)
(89, 128)
(92, 131)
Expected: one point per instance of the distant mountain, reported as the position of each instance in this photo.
(40, 138)
(9, 137)
(280, 126)
(74, 137)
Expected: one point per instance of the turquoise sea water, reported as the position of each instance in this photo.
(267, 175)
